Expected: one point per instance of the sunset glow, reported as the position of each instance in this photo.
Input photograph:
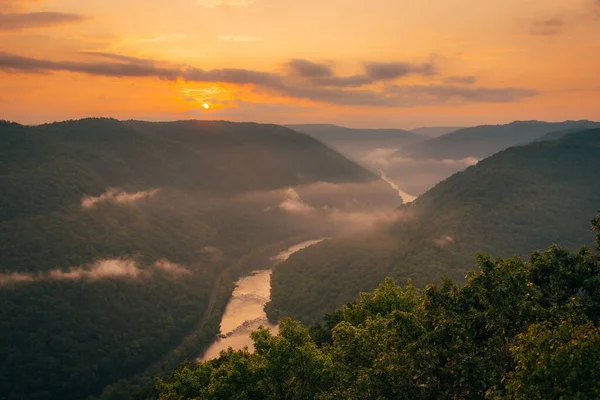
(376, 63)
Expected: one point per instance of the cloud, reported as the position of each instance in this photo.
(119, 57)
(460, 80)
(451, 94)
(117, 196)
(239, 38)
(394, 70)
(547, 27)
(389, 157)
(170, 268)
(19, 21)
(343, 81)
(104, 269)
(294, 205)
(312, 81)
(224, 3)
(10, 62)
(309, 69)
(101, 270)
(443, 241)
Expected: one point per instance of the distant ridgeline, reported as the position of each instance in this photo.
(485, 140)
(521, 199)
(516, 330)
(113, 235)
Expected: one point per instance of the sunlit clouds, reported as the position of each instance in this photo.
(415, 64)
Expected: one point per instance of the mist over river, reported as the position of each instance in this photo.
(245, 311)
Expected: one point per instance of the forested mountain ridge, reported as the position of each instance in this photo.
(521, 199)
(483, 141)
(114, 234)
(435, 131)
(332, 133)
(516, 330)
(88, 156)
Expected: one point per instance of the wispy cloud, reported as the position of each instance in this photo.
(293, 204)
(309, 69)
(20, 21)
(547, 27)
(239, 38)
(394, 70)
(460, 80)
(121, 268)
(117, 196)
(308, 80)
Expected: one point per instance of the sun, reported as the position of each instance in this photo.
(206, 106)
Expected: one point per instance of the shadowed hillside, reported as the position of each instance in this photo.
(521, 199)
(483, 141)
(116, 237)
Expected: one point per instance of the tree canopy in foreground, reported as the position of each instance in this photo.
(516, 329)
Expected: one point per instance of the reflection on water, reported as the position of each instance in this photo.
(245, 311)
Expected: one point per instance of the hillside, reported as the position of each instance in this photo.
(517, 329)
(483, 141)
(49, 167)
(116, 237)
(356, 142)
(334, 133)
(521, 199)
(435, 131)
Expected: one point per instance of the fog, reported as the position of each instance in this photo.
(412, 176)
(103, 269)
(327, 208)
(117, 196)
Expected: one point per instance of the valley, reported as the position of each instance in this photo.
(244, 313)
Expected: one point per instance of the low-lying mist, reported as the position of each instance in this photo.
(102, 269)
(412, 176)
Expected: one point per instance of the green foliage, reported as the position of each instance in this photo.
(556, 361)
(519, 200)
(71, 338)
(515, 330)
(287, 366)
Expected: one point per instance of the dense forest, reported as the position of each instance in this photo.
(521, 199)
(117, 236)
(515, 330)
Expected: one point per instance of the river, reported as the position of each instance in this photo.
(245, 311)
(406, 198)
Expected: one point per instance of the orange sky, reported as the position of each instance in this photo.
(375, 63)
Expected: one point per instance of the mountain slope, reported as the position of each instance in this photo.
(435, 131)
(483, 141)
(356, 143)
(521, 199)
(87, 156)
(114, 233)
(335, 133)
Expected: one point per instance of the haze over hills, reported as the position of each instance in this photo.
(521, 199)
(435, 131)
(482, 141)
(116, 237)
(376, 149)
(355, 143)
